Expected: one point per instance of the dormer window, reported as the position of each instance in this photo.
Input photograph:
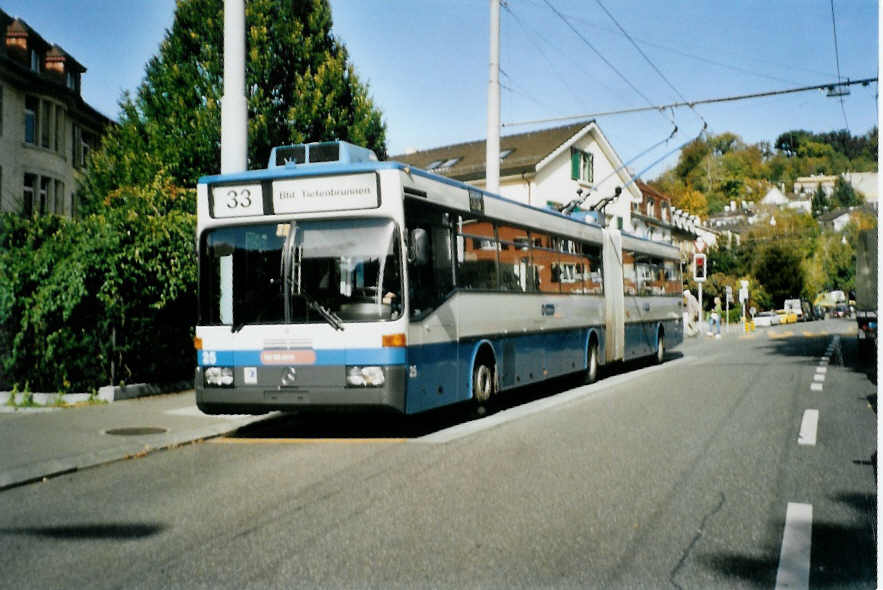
(70, 81)
(35, 61)
(445, 163)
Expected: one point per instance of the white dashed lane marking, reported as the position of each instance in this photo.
(793, 570)
(808, 428)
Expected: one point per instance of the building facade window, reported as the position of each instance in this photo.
(45, 193)
(42, 195)
(581, 165)
(81, 146)
(59, 198)
(32, 110)
(35, 61)
(44, 124)
(46, 127)
(27, 205)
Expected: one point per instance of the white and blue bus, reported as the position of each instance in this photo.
(331, 279)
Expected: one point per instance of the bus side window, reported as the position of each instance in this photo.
(629, 281)
(476, 254)
(593, 273)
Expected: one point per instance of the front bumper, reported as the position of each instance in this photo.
(315, 387)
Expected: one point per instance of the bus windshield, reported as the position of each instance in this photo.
(301, 272)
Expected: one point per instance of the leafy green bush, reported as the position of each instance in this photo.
(117, 286)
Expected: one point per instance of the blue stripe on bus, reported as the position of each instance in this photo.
(441, 373)
(352, 356)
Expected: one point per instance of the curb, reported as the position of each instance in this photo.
(106, 393)
(26, 474)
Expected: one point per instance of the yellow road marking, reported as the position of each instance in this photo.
(780, 334)
(296, 441)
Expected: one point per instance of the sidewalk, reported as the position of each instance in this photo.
(38, 443)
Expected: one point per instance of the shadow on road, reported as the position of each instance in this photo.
(118, 531)
(359, 423)
(846, 353)
(843, 556)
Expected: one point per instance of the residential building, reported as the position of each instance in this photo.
(808, 185)
(652, 217)
(549, 167)
(866, 183)
(776, 198)
(46, 129)
(836, 219)
(655, 218)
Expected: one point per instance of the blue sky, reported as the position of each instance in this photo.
(426, 62)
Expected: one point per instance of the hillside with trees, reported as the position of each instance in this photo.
(796, 256)
(716, 169)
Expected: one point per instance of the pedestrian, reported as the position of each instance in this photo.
(716, 317)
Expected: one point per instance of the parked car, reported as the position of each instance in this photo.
(809, 313)
(786, 316)
(840, 310)
(793, 306)
(765, 319)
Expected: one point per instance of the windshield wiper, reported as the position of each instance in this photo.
(329, 316)
(292, 259)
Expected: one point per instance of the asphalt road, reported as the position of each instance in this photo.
(702, 472)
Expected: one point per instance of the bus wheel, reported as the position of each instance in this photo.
(660, 348)
(482, 382)
(591, 374)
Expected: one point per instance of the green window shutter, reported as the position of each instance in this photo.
(574, 164)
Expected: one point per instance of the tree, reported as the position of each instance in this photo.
(779, 270)
(844, 195)
(300, 87)
(820, 202)
(692, 201)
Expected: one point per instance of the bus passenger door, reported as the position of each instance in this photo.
(432, 333)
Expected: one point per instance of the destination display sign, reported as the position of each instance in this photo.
(237, 200)
(325, 193)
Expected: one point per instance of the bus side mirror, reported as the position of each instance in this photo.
(418, 247)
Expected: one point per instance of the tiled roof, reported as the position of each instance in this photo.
(649, 190)
(469, 159)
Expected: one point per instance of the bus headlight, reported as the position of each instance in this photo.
(219, 376)
(364, 376)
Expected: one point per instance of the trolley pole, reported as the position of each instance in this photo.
(492, 146)
(234, 109)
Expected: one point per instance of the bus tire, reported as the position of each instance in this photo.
(660, 347)
(591, 373)
(482, 381)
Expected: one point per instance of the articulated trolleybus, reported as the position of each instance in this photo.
(331, 279)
